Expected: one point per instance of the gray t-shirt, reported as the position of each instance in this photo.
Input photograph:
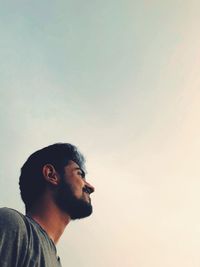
(23, 243)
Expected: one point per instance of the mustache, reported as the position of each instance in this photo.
(86, 189)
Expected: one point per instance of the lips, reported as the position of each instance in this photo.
(87, 192)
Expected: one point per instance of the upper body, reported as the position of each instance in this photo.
(23, 243)
(55, 191)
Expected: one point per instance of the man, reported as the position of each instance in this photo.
(55, 191)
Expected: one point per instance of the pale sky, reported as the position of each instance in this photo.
(119, 79)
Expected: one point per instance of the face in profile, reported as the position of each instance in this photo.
(73, 193)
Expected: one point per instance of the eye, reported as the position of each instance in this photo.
(81, 174)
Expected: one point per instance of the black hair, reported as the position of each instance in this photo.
(31, 181)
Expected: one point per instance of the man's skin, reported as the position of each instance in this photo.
(45, 211)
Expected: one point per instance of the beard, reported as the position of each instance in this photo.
(66, 200)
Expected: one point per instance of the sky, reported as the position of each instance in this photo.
(119, 79)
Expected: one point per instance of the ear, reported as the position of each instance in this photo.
(50, 174)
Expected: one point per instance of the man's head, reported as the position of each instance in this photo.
(70, 191)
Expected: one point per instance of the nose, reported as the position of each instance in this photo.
(90, 188)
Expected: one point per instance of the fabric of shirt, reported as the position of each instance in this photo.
(23, 242)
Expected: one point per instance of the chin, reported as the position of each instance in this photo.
(82, 213)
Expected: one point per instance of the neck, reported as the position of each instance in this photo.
(50, 218)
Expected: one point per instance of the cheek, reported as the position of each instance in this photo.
(78, 188)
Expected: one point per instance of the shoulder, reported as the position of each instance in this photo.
(10, 216)
(14, 239)
(12, 220)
